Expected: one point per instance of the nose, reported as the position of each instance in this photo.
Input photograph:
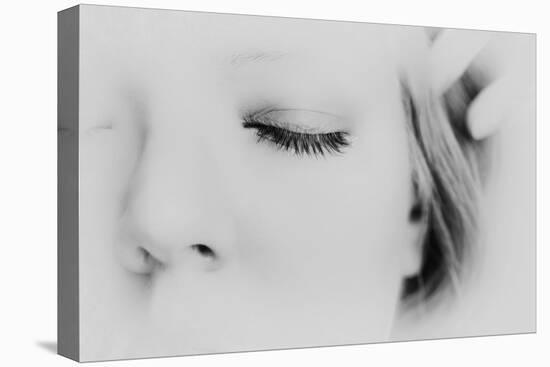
(175, 212)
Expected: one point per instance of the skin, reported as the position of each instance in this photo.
(308, 250)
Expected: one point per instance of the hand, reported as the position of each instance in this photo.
(504, 63)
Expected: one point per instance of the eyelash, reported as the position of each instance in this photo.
(299, 143)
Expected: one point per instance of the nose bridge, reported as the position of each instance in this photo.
(175, 198)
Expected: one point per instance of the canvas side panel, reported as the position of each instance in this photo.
(67, 183)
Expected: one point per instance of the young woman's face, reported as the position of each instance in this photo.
(281, 150)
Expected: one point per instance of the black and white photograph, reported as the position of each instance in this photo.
(257, 183)
(274, 183)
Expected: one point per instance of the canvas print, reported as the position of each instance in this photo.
(233, 183)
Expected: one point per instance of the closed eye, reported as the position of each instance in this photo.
(298, 142)
(106, 126)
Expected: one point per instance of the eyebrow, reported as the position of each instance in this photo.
(254, 57)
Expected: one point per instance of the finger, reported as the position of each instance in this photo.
(451, 54)
(492, 106)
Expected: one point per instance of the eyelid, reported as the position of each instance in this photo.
(99, 128)
(296, 139)
(300, 120)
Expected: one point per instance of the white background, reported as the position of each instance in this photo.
(28, 182)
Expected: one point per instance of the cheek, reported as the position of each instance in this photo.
(333, 227)
(102, 179)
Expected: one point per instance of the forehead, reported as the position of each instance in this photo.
(179, 39)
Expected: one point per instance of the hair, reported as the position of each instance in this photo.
(447, 179)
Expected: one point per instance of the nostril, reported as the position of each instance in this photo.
(138, 259)
(204, 250)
